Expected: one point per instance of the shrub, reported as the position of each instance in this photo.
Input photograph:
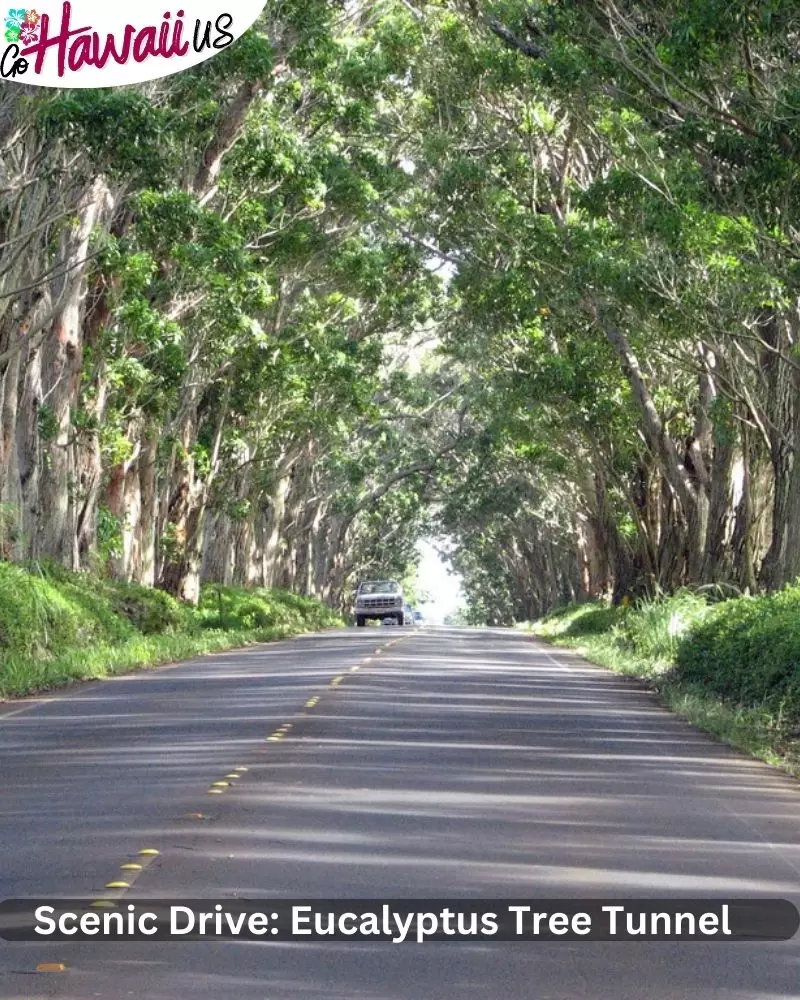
(57, 627)
(653, 627)
(573, 620)
(748, 651)
(233, 608)
(149, 611)
(43, 615)
(593, 621)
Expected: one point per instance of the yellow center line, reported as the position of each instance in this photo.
(217, 788)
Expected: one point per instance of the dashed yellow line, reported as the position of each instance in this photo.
(217, 788)
(135, 868)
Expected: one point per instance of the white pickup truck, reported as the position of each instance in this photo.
(379, 599)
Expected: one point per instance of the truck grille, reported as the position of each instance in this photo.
(373, 603)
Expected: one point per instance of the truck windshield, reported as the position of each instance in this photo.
(378, 587)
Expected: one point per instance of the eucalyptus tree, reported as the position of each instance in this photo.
(211, 289)
(86, 157)
(617, 211)
(204, 299)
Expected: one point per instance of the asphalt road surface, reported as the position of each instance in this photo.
(450, 763)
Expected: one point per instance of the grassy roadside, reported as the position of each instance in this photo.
(715, 663)
(57, 627)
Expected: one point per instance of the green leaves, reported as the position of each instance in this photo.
(517, 272)
(121, 132)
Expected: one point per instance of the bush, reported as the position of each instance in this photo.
(572, 620)
(747, 651)
(41, 616)
(653, 627)
(57, 627)
(150, 611)
(731, 665)
(593, 621)
(233, 608)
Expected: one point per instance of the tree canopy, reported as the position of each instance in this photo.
(523, 273)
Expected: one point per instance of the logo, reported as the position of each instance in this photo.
(92, 44)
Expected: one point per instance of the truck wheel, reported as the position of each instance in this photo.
(361, 621)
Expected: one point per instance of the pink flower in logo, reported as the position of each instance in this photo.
(28, 34)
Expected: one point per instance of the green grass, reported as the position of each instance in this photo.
(58, 627)
(730, 667)
(754, 731)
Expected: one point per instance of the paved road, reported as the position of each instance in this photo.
(451, 763)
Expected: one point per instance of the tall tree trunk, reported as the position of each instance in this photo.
(187, 521)
(55, 391)
(742, 539)
(691, 496)
(783, 403)
(273, 547)
(717, 565)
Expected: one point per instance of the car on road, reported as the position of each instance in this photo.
(379, 600)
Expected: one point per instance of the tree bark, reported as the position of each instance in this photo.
(783, 557)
